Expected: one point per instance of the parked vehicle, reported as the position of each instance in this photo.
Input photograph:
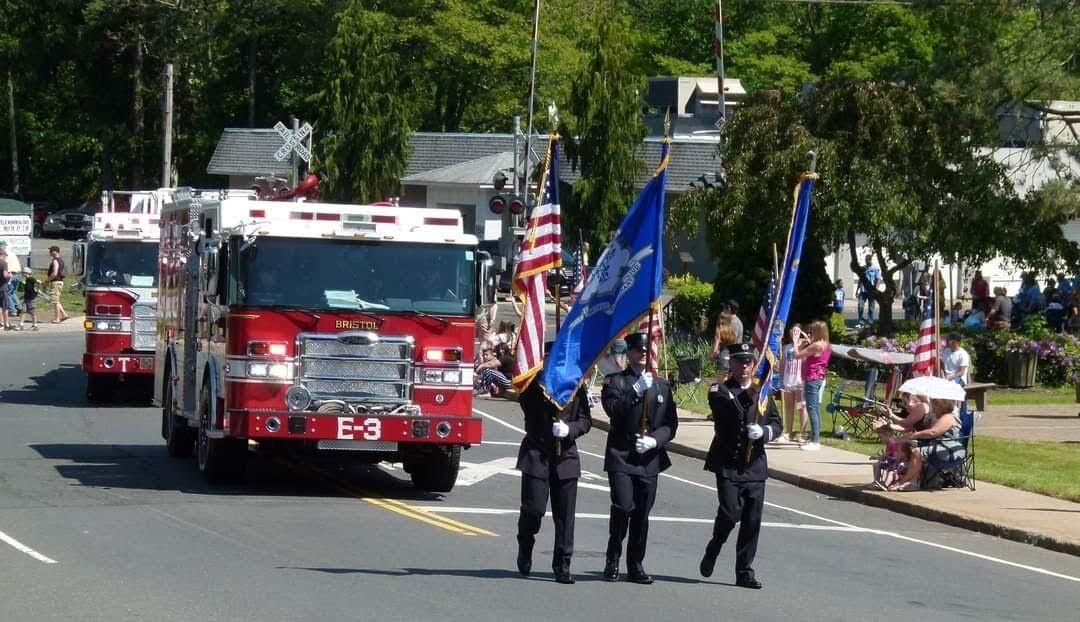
(71, 223)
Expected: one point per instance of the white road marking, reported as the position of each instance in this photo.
(22, 548)
(843, 525)
(476, 472)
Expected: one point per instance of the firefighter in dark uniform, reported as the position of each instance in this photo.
(633, 459)
(740, 484)
(548, 461)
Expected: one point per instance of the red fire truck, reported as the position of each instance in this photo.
(318, 328)
(118, 263)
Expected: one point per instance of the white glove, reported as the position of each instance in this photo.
(643, 384)
(754, 431)
(560, 429)
(644, 444)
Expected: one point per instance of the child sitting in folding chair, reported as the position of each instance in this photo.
(891, 465)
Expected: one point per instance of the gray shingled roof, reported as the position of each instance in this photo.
(433, 151)
(245, 151)
(459, 158)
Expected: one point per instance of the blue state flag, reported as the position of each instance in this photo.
(622, 287)
(785, 289)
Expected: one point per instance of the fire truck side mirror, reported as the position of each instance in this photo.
(78, 258)
(210, 269)
(485, 280)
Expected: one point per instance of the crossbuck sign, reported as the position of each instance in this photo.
(294, 141)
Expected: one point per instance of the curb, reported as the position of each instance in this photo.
(894, 504)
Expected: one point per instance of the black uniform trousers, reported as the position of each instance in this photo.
(534, 500)
(632, 498)
(740, 502)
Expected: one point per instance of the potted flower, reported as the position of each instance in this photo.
(1021, 359)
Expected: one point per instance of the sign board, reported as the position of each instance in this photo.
(294, 141)
(17, 244)
(15, 225)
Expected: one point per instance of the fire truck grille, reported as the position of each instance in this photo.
(347, 367)
(143, 326)
(352, 369)
(357, 389)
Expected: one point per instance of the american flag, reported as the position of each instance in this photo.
(541, 250)
(581, 271)
(926, 346)
(656, 334)
(761, 326)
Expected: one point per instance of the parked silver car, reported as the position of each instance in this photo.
(70, 223)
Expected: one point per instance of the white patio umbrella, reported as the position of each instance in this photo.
(934, 388)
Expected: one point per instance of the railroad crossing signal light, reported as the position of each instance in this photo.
(497, 204)
(517, 205)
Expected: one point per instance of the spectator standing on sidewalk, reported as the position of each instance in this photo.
(731, 314)
(55, 283)
(10, 297)
(30, 297)
(813, 350)
(791, 384)
(838, 296)
(643, 420)
(740, 483)
(5, 278)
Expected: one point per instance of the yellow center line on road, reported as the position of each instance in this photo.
(393, 505)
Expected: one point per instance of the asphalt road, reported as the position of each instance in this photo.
(98, 523)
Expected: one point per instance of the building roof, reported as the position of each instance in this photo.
(457, 158)
(248, 151)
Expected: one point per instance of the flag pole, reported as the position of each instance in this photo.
(652, 306)
(937, 320)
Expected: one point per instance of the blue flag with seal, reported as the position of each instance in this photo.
(622, 287)
(769, 359)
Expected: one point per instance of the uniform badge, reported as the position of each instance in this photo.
(660, 399)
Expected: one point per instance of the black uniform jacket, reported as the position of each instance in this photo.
(727, 454)
(624, 409)
(537, 453)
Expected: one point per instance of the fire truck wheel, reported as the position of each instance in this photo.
(220, 460)
(435, 471)
(97, 387)
(178, 438)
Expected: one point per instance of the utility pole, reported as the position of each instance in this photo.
(14, 143)
(719, 45)
(517, 178)
(166, 148)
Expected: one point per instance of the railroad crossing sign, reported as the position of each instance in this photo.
(294, 141)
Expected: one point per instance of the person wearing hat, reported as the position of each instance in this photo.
(55, 283)
(740, 483)
(549, 463)
(643, 421)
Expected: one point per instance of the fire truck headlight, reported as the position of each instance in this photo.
(451, 376)
(278, 370)
(297, 399)
(257, 370)
(441, 376)
(115, 325)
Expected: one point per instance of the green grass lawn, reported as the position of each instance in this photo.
(72, 298)
(1040, 467)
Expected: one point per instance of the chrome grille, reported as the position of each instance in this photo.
(345, 445)
(144, 326)
(347, 366)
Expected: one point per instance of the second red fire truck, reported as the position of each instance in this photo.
(118, 263)
(318, 328)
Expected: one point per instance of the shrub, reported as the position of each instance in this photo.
(690, 305)
(838, 332)
(691, 347)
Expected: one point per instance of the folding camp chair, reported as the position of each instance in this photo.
(852, 414)
(685, 381)
(960, 472)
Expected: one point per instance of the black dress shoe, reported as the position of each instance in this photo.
(524, 564)
(748, 582)
(564, 577)
(611, 570)
(708, 561)
(641, 577)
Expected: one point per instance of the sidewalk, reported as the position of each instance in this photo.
(996, 510)
(73, 324)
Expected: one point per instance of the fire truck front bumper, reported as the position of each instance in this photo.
(341, 430)
(130, 364)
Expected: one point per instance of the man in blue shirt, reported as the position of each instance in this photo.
(865, 297)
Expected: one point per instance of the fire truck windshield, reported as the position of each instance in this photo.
(122, 263)
(344, 274)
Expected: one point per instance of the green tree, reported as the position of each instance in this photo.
(365, 118)
(606, 125)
